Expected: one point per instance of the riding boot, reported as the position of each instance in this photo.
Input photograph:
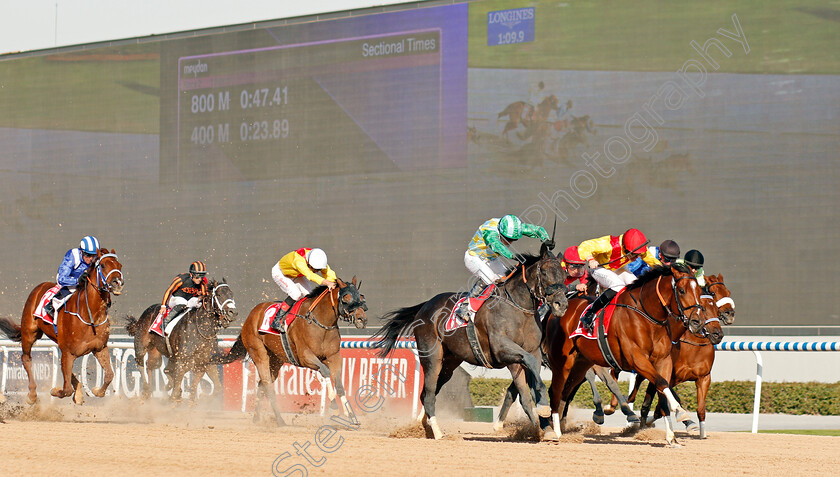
(465, 311)
(49, 308)
(277, 322)
(176, 310)
(588, 318)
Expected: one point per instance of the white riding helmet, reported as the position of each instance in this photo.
(317, 259)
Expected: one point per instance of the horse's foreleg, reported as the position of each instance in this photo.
(104, 358)
(506, 351)
(333, 364)
(610, 408)
(511, 394)
(212, 372)
(177, 377)
(153, 363)
(432, 362)
(702, 385)
(598, 414)
(26, 357)
(636, 386)
(612, 385)
(67, 360)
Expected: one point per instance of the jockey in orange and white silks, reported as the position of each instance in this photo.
(185, 292)
(298, 273)
(483, 257)
(607, 257)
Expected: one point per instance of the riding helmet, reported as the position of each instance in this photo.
(694, 259)
(89, 245)
(634, 241)
(572, 257)
(198, 268)
(317, 259)
(670, 250)
(511, 227)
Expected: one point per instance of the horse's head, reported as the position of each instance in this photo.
(351, 304)
(711, 327)
(546, 280)
(551, 102)
(222, 303)
(108, 270)
(723, 298)
(685, 302)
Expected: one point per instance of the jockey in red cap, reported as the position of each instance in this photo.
(576, 269)
(607, 257)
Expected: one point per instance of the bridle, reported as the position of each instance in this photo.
(217, 309)
(682, 317)
(345, 312)
(727, 300)
(102, 285)
(539, 293)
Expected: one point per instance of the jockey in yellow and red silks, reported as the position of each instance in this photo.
(607, 257)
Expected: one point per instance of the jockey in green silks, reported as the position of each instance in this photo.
(483, 257)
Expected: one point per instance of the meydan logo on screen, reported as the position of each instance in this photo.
(510, 18)
(195, 69)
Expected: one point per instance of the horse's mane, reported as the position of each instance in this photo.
(525, 259)
(656, 272)
(317, 291)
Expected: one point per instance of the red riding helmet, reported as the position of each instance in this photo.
(572, 257)
(634, 241)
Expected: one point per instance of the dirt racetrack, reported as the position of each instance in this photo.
(124, 438)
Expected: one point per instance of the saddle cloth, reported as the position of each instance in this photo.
(605, 314)
(272, 310)
(158, 321)
(454, 321)
(39, 310)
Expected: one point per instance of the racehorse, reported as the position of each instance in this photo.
(82, 325)
(726, 312)
(514, 111)
(506, 327)
(693, 357)
(313, 337)
(723, 297)
(193, 340)
(648, 316)
(579, 127)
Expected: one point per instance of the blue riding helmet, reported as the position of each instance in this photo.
(89, 245)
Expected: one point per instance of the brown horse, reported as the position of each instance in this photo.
(693, 357)
(313, 338)
(514, 112)
(648, 316)
(506, 328)
(723, 298)
(82, 325)
(192, 341)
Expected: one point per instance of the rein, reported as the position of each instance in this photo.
(308, 316)
(216, 311)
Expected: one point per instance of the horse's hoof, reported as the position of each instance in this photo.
(609, 410)
(544, 411)
(31, 400)
(683, 416)
(498, 426)
(633, 419)
(598, 418)
(691, 426)
(549, 435)
(58, 392)
(99, 392)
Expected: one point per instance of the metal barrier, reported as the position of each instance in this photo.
(757, 346)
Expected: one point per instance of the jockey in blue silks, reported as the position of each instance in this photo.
(76, 262)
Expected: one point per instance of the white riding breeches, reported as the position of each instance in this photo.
(295, 288)
(489, 271)
(59, 302)
(612, 280)
(193, 302)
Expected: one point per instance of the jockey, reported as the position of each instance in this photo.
(694, 260)
(607, 257)
(297, 274)
(76, 262)
(667, 252)
(536, 94)
(575, 268)
(484, 252)
(185, 292)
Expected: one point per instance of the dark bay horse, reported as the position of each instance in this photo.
(193, 340)
(313, 337)
(506, 326)
(82, 325)
(653, 311)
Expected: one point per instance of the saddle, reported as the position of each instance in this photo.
(455, 321)
(603, 315)
(272, 310)
(39, 310)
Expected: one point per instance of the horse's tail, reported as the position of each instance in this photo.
(237, 352)
(10, 329)
(133, 325)
(397, 325)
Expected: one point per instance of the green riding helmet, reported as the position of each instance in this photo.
(510, 227)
